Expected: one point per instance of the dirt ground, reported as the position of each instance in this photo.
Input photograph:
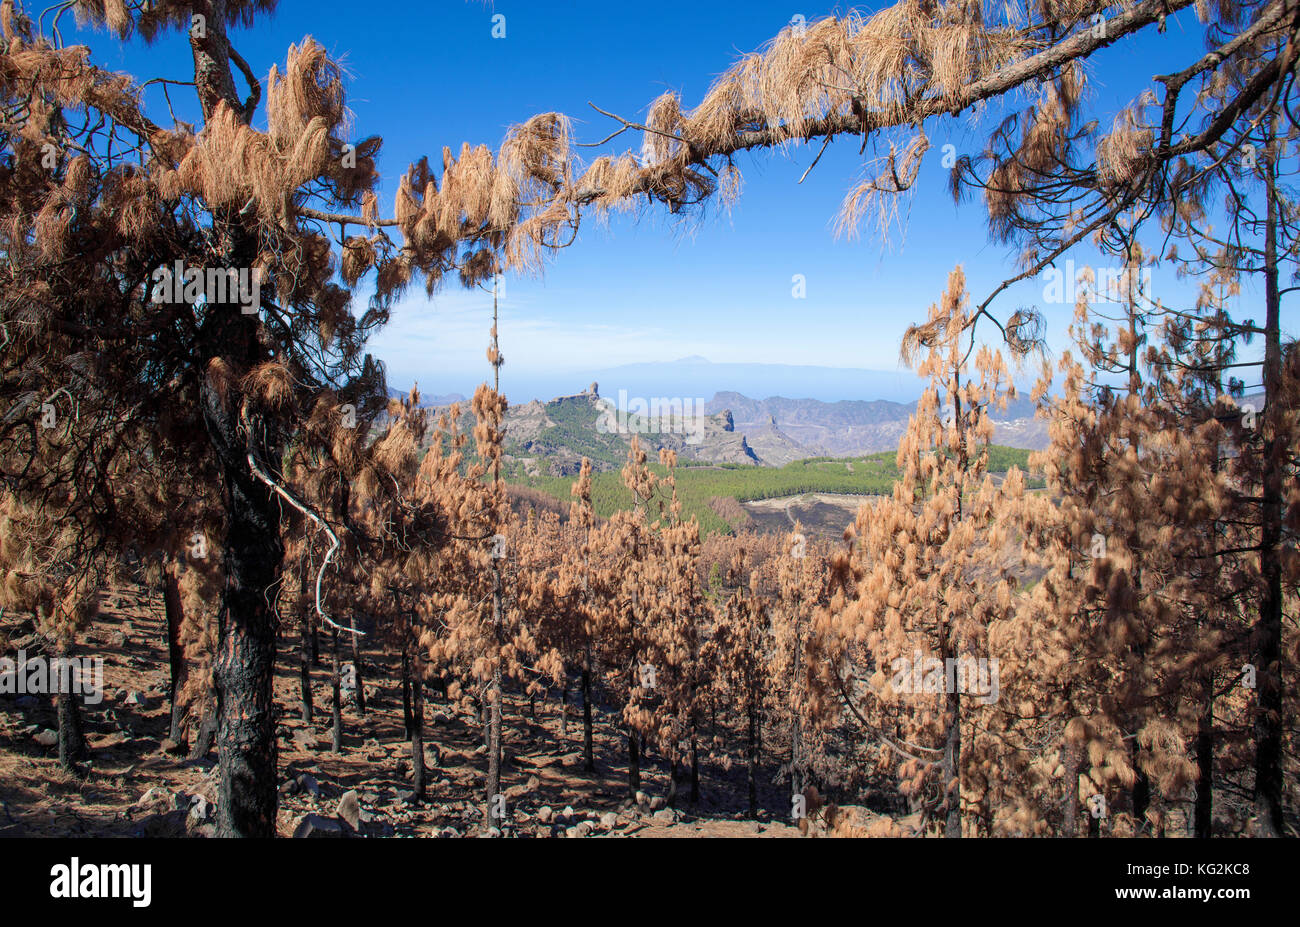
(131, 785)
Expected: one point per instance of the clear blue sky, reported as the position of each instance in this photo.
(647, 289)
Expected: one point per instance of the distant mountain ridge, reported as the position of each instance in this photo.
(552, 438)
(699, 377)
(428, 402)
(850, 428)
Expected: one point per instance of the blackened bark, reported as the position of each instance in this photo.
(1203, 816)
(337, 700)
(1070, 813)
(416, 724)
(407, 720)
(175, 617)
(564, 708)
(695, 769)
(588, 754)
(633, 764)
(490, 817)
(304, 643)
(72, 738)
(751, 758)
(304, 667)
(1268, 628)
(205, 737)
(356, 667)
(246, 748)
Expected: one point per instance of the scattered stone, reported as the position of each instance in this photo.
(156, 799)
(47, 738)
(572, 832)
(583, 828)
(656, 803)
(137, 698)
(317, 825)
(545, 814)
(200, 812)
(567, 814)
(349, 809)
(642, 799)
(449, 832)
(168, 824)
(665, 816)
(608, 820)
(288, 787)
(372, 826)
(307, 783)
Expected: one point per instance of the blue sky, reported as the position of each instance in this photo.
(650, 288)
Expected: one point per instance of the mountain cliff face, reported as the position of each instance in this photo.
(851, 428)
(552, 438)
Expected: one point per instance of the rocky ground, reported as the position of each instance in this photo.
(136, 783)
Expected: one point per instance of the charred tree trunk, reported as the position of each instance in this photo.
(491, 817)
(695, 769)
(633, 764)
(246, 627)
(175, 652)
(360, 695)
(1070, 813)
(1268, 628)
(205, 737)
(407, 720)
(751, 757)
(564, 708)
(72, 739)
(588, 754)
(246, 622)
(416, 725)
(1203, 814)
(304, 666)
(336, 684)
